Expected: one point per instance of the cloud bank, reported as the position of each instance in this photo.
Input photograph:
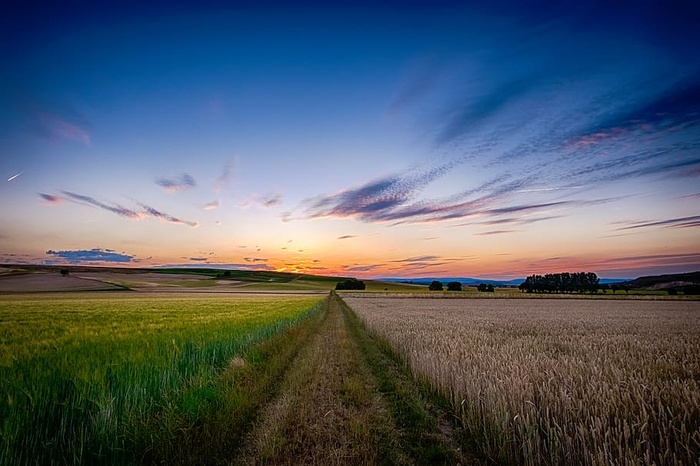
(91, 255)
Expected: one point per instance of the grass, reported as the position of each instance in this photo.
(327, 412)
(97, 378)
(415, 411)
(557, 381)
(345, 400)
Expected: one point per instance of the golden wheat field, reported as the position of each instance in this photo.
(557, 381)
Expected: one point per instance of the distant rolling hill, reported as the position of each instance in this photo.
(476, 281)
(663, 282)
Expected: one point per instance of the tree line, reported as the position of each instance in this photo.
(436, 285)
(350, 284)
(576, 282)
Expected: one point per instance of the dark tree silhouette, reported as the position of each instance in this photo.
(486, 287)
(350, 284)
(454, 286)
(435, 286)
(579, 282)
(65, 272)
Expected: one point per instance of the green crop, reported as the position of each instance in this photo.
(82, 376)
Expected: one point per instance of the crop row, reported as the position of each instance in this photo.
(82, 379)
(534, 382)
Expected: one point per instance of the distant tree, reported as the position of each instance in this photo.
(65, 272)
(435, 286)
(614, 287)
(350, 284)
(454, 286)
(604, 287)
(691, 289)
(486, 287)
(672, 291)
(577, 282)
(227, 273)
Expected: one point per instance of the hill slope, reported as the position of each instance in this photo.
(660, 282)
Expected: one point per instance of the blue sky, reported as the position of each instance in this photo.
(495, 139)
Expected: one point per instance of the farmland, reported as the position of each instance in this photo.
(109, 378)
(197, 378)
(539, 381)
(190, 368)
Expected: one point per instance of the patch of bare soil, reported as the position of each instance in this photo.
(42, 282)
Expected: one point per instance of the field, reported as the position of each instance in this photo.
(112, 378)
(560, 381)
(33, 279)
(189, 367)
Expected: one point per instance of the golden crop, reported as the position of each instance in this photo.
(590, 382)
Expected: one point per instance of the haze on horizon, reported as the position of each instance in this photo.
(490, 139)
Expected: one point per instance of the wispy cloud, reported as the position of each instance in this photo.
(268, 200)
(167, 217)
(255, 259)
(211, 205)
(384, 199)
(417, 259)
(518, 220)
(223, 180)
(180, 183)
(58, 128)
(604, 122)
(346, 237)
(125, 212)
(681, 222)
(91, 255)
(392, 200)
(360, 268)
(114, 208)
(418, 263)
(495, 232)
(50, 199)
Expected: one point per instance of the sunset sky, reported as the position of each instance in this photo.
(488, 139)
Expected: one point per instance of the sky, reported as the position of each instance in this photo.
(475, 139)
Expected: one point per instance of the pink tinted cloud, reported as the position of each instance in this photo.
(211, 205)
(50, 199)
(58, 128)
(167, 217)
(268, 200)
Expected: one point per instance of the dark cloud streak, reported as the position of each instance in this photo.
(181, 183)
(131, 214)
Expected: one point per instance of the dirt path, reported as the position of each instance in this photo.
(332, 409)
(329, 411)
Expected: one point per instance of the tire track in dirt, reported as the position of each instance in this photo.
(329, 411)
